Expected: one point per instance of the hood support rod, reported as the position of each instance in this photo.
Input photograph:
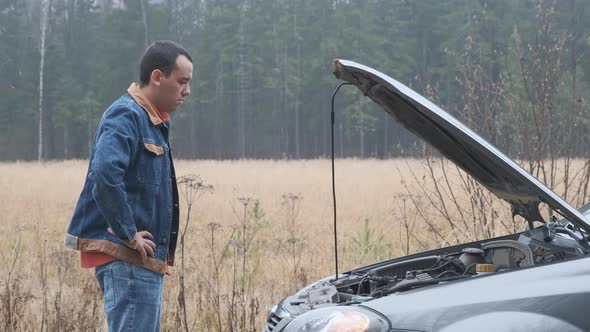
(334, 180)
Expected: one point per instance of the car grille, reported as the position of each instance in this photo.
(272, 322)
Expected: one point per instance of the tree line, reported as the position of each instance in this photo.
(516, 71)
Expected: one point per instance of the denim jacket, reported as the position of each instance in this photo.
(130, 185)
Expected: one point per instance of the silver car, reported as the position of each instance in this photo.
(536, 280)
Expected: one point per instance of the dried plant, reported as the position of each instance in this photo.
(408, 219)
(294, 243)
(243, 304)
(13, 298)
(191, 188)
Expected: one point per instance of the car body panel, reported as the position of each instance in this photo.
(559, 292)
(498, 173)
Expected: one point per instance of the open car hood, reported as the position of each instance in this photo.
(498, 173)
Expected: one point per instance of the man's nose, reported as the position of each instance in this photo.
(186, 91)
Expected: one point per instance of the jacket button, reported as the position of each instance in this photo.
(163, 241)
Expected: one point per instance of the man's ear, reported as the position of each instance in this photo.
(156, 76)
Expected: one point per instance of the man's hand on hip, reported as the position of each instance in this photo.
(142, 242)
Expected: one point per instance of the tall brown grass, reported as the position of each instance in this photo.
(264, 231)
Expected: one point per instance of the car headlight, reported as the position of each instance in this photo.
(339, 319)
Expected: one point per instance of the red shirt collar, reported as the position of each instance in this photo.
(163, 115)
(156, 116)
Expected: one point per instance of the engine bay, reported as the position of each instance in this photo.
(556, 241)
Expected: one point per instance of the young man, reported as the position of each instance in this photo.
(126, 221)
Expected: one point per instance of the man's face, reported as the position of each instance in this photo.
(174, 88)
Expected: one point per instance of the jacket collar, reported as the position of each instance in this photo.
(141, 99)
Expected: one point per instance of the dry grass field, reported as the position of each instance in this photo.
(264, 231)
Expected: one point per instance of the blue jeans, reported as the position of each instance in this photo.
(132, 296)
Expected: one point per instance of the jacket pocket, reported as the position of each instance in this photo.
(157, 150)
(151, 161)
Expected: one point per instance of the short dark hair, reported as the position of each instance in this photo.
(161, 55)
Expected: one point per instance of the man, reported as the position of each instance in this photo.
(126, 221)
